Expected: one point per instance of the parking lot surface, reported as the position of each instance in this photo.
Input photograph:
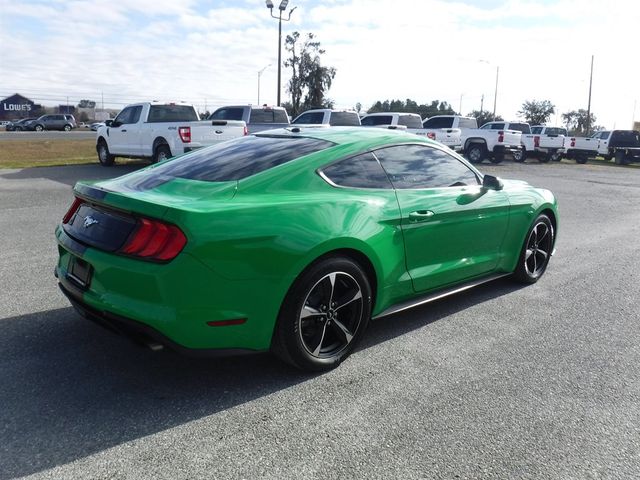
(503, 381)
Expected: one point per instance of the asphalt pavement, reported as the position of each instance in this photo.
(503, 381)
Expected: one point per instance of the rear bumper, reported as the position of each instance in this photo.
(573, 153)
(136, 331)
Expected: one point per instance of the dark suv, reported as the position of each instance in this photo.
(58, 121)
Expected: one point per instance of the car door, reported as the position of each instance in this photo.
(452, 228)
(122, 139)
(603, 143)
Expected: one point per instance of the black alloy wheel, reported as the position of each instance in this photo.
(323, 316)
(536, 251)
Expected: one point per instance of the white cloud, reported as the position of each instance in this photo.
(419, 49)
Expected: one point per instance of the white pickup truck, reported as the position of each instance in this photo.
(413, 124)
(623, 145)
(541, 142)
(327, 116)
(479, 143)
(158, 131)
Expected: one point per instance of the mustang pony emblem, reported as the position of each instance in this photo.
(89, 221)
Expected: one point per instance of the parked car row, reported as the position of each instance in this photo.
(63, 122)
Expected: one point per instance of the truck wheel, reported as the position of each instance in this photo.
(161, 153)
(520, 156)
(607, 157)
(581, 159)
(476, 153)
(544, 158)
(621, 157)
(497, 158)
(106, 159)
(556, 156)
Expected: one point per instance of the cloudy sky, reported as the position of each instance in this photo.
(209, 52)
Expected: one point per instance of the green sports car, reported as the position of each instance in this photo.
(292, 240)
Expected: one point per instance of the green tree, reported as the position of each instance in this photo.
(576, 122)
(484, 116)
(537, 112)
(309, 81)
(86, 104)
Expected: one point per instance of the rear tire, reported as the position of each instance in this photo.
(105, 158)
(324, 315)
(38, 128)
(536, 251)
(544, 158)
(161, 153)
(621, 158)
(556, 156)
(476, 152)
(581, 159)
(67, 128)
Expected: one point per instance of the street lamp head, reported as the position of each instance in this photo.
(283, 5)
(269, 4)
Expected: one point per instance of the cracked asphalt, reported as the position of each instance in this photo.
(503, 381)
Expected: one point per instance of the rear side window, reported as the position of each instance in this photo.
(410, 121)
(555, 131)
(268, 115)
(344, 119)
(467, 123)
(227, 113)
(236, 159)
(418, 166)
(361, 171)
(311, 118)
(520, 127)
(374, 120)
(171, 113)
(438, 122)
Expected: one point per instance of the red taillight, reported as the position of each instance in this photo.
(431, 135)
(500, 136)
(536, 141)
(155, 240)
(74, 208)
(185, 134)
(573, 142)
(246, 130)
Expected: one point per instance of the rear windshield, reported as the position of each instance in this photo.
(237, 159)
(410, 121)
(268, 115)
(344, 119)
(438, 122)
(227, 113)
(374, 120)
(520, 127)
(311, 118)
(556, 131)
(172, 113)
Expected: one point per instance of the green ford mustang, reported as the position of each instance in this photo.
(291, 240)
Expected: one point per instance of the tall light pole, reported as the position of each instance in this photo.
(259, 74)
(495, 96)
(281, 8)
(589, 104)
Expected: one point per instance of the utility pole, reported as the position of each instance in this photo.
(461, 95)
(495, 97)
(589, 104)
(281, 8)
(482, 103)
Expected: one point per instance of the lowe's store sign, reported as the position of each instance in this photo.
(17, 106)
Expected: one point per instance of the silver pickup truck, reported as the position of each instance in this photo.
(256, 118)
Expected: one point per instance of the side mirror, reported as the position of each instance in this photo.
(492, 183)
(108, 123)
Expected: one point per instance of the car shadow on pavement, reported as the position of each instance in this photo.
(71, 389)
(70, 174)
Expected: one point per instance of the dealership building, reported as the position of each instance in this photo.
(16, 106)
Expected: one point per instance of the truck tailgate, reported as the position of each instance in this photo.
(210, 132)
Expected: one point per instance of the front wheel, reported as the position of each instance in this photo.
(520, 155)
(536, 251)
(324, 314)
(38, 128)
(106, 159)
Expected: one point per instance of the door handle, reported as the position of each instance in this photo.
(124, 130)
(421, 215)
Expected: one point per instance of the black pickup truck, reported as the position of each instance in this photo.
(624, 146)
